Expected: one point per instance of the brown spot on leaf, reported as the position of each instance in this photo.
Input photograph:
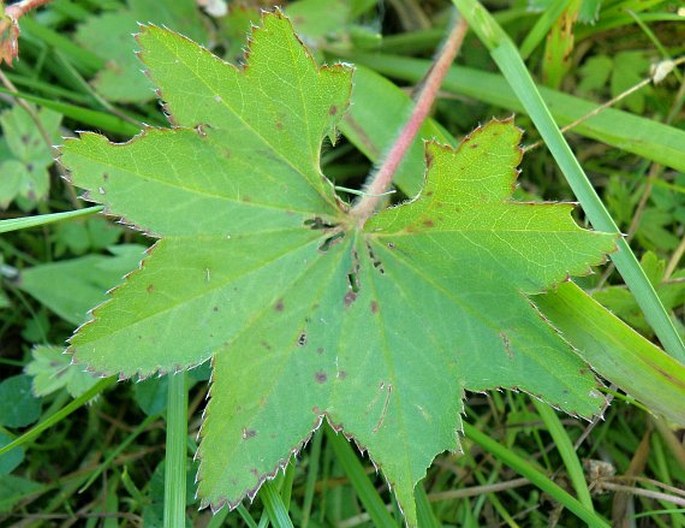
(279, 305)
(428, 222)
(319, 350)
(265, 344)
(255, 472)
(473, 146)
(248, 433)
(150, 288)
(507, 345)
(105, 176)
(279, 125)
(342, 374)
(320, 377)
(374, 307)
(215, 309)
(350, 297)
(25, 139)
(333, 110)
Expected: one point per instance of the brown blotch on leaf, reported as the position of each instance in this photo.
(507, 345)
(279, 305)
(350, 297)
(374, 307)
(320, 377)
(333, 110)
(279, 125)
(474, 145)
(248, 433)
(428, 222)
(150, 288)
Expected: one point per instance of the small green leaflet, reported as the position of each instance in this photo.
(26, 156)
(306, 316)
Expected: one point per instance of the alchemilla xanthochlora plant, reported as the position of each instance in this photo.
(306, 310)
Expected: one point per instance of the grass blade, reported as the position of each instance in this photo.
(568, 454)
(274, 506)
(346, 457)
(175, 467)
(616, 351)
(14, 224)
(92, 118)
(54, 419)
(529, 471)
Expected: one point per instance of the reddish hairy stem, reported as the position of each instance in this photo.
(381, 180)
(18, 10)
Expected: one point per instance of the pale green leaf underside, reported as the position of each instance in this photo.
(381, 332)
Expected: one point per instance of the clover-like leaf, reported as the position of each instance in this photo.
(306, 313)
(24, 167)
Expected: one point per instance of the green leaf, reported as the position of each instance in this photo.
(52, 370)
(13, 489)
(18, 406)
(109, 37)
(25, 171)
(9, 461)
(306, 314)
(82, 281)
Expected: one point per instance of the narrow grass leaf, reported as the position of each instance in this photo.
(275, 506)
(536, 477)
(347, 458)
(616, 351)
(175, 455)
(564, 446)
(14, 224)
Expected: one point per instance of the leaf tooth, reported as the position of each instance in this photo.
(251, 493)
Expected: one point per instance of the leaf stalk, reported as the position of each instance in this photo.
(380, 181)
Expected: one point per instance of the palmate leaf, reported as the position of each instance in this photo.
(380, 329)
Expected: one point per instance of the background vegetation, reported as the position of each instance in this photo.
(103, 464)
